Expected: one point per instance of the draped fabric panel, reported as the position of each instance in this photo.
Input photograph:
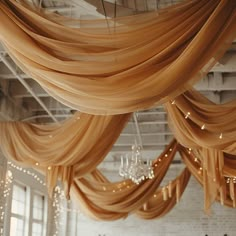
(209, 130)
(122, 65)
(157, 206)
(103, 200)
(75, 147)
(116, 66)
(132, 197)
(198, 122)
(212, 169)
(225, 193)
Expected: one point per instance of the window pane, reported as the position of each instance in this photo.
(37, 229)
(17, 227)
(38, 203)
(18, 200)
(71, 223)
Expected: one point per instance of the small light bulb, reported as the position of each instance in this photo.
(188, 114)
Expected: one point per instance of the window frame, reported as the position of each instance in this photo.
(32, 187)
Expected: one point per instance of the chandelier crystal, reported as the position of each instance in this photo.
(133, 167)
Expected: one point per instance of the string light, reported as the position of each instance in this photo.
(203, 127)
(58, 198)
(28, 172)
(77, 118)
(173, 102)
(231, 178)
(187, 115)
(5, 187)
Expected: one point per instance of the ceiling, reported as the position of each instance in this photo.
(21, 98)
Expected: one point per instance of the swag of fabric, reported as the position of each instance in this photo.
(198, 122)
(74, 147)
(209, 131)
(136, 63)
(213, 179)
(116, 66)
(103, 200)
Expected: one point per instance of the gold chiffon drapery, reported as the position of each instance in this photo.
(208, 129)
(225, 193)
(155, 206)
(116, 66)
(198, 122)
(81, 142)
(103, 200)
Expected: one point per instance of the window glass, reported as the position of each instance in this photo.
(17, 227)
(27, 212)
(37, 229)
(18, 200)
(38, 205)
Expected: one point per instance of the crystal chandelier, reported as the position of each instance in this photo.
(133, 167)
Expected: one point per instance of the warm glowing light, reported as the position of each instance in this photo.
(187, 115)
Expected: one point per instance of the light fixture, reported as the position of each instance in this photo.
(133, 167)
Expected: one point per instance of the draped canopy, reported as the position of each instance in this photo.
(121, 65)
(109, 68)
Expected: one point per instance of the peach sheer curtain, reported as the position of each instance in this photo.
(108, 67)
(225, 193)
(157, 205)
(75, 147)
(198, 122)
(122, 65)
(103, 200)
(209, 130)
(161, 203)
